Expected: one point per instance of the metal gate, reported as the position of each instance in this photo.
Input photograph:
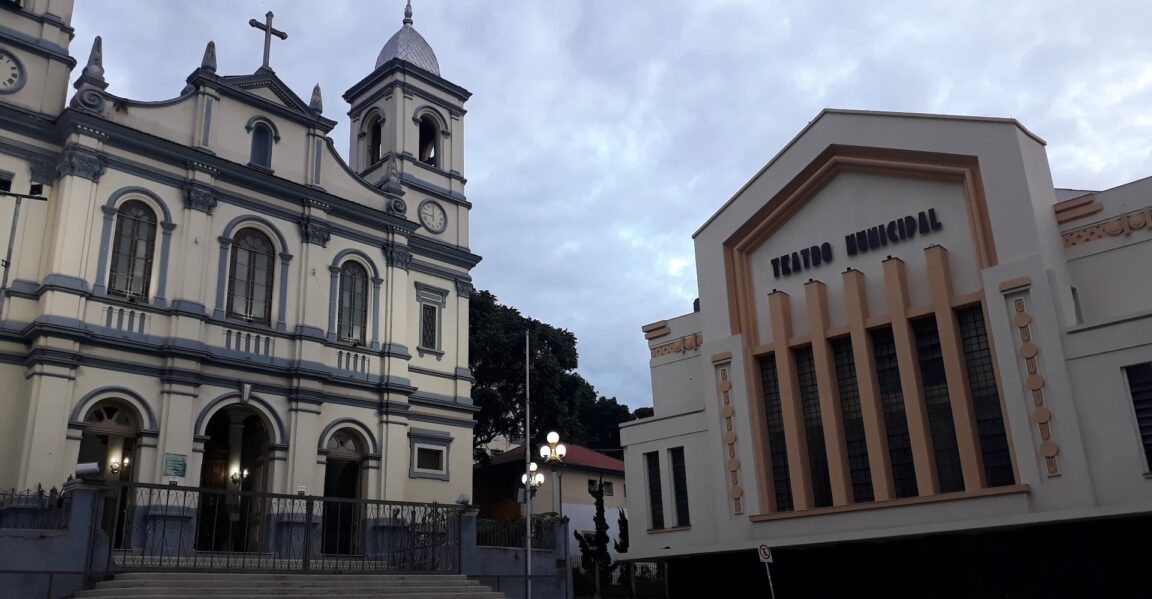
(163, 527)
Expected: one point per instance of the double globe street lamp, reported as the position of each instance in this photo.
(553, 454)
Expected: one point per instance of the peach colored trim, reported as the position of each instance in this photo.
(952, 352)
(722, 357)
(877, 321)
(802, 188)
(795, 439)
(731, 462)
(762, 461)
(967, 299)
(959, 496)
(816, 297)
(919, 311)
(840, 330)
(655, 330)
(856, 301)
(1017, 284)
(799, 340)
(653, 531)
(682, 345)
(1034, 385)
(896, 290)
(760, 350)
(1123, 224)
(1076, 208)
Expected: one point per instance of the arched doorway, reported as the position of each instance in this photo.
(109, 440)
(343, 468)
(236, 467)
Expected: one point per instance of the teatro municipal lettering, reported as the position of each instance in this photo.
(873, 238)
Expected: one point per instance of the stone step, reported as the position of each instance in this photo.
(186, 585)
(232, 594)
(336, 590)
(313, 581)
(287, 577)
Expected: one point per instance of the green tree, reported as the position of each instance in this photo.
(594, 556)
(601, 419)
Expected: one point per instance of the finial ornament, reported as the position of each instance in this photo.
(95, 67)
(317, 102)
(266, 27)
(209, 61)
(408, 13)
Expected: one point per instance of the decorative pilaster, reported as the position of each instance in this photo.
(795, 437)
(82, 162)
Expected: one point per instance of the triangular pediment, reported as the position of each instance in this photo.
(265, 90)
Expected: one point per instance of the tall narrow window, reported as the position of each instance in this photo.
(132, 249)
(429, 147)
(853, 416)
(934, 382)
(895, 420)
(680, 486)
(261, 145)
(250, 277)
(985, 397)
(353, 315)
(813, 427)
(777, 448)
(655, 493)
(1140, 385)
(429, 326)
(375, 139)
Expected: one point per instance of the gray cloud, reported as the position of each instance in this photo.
(603, 133)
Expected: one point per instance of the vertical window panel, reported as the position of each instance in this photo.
(353, 312)
(261, 145)
(934, 382)
(813, 427)
(777, 448)
(680, 486)
(132, 250)
(853, 418)
(428, 326)
(985, 397)
(1140, 386)
(655, 493)
(250, 278)
(895, 418)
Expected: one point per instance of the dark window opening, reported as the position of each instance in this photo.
(375, 139)
(895, 419)
(1140, 385)
(132, 249)
(261, 145)
(985, 397)
(429, 459)
(777, 448)
(250, 277)
(680, 486)
(813, 427)
(934, 382)
(5, 181)
(428, 328)
(853, 416)
(353, 317)
(429, 148)
(655, 494)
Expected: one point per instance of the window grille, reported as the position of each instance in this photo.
(428, 326)
(854, 438)
(934, 382)
(777, 448)
(132, 250)
(353, 315)
(813, 427)
(429, 459)
(895, 419)
(680, 486)
(1140, 385)
(985, 397)
(250, 278)
(655, 493)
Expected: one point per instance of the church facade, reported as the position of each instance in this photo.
(201, 291)
(916, 369)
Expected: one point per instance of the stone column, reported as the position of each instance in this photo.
(51, 377)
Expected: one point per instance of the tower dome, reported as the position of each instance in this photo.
(408, 45)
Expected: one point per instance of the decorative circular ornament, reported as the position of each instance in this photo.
(735, 492)
(1029, 349)
(733, 464)
(1049, 449)
(12, 74)
(1042, 415)
(1035, 382)
(728, 411)
(730, 437)
(1022, 319)
(433, 217)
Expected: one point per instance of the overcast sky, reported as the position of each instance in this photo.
(602, 133)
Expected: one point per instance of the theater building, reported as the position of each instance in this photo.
(916, 368)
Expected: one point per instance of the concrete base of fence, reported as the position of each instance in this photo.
(502, 568)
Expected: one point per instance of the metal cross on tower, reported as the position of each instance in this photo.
(266, 27)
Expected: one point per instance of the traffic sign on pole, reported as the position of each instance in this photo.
(766, 557)
(765, 554)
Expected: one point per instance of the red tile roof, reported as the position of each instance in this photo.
(577, 455)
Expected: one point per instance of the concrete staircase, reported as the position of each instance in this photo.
(172, 585)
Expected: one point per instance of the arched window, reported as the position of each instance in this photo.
(250, 277)
(261, 145)
(375, 132)
(429, 148)
(353, 315)
(132, 250)
(345, 444)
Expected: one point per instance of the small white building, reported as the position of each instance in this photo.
(210, 295)
(904, 331)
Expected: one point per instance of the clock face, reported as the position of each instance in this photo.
(11, 73)
(432, 216)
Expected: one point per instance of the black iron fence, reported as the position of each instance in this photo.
(511, 533)
(39, 509)
(168, 527)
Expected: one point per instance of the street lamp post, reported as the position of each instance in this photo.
(531, 481)
(553, 453)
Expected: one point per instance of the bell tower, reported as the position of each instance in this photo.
(407, 133)
(34, 59)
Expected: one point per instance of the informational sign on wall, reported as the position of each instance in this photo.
(175, 464)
